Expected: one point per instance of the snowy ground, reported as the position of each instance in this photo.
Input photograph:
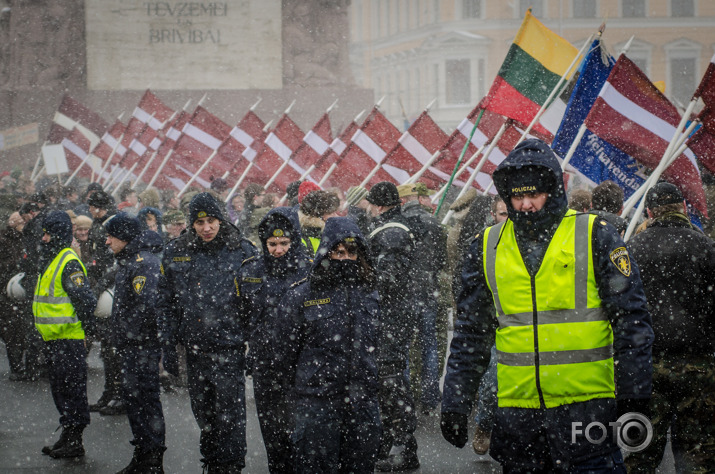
(28, 419)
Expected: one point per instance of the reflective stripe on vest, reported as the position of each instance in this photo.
(554, 342)
(55, 317)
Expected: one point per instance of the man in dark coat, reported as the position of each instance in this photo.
(677, 264)
(430, 258)
(200, 306)
(392, 246)
(136, 337)
(325, 345)
(101, 207)
(558, 293)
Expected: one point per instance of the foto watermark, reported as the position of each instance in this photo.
(632, 432)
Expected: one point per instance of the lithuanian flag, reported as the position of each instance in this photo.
(533, 66)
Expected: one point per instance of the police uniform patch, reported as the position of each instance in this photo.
(621, 260)
(309, 303)
(278, 233)
(252, 280)
(201, 214)
(349, 240)
(138, 284)
(78, 278)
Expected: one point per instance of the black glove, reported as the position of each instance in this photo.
(454, 428)
(170, 359)
(631, 405)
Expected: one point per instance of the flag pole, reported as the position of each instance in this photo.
(464, 167)
(36, 168)
(669, 157)
(572, 149)
(74, 173)
(248, 168)
(459, 161)
(424, 168)
(124, 178)
(557, 89)
(493, 143)
(201, 168)
(335, 165)
(153, 155)
(285, 162)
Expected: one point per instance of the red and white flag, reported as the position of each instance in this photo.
(241, 137)
(77, 147)
(71, 114)
(278, 147)
(315, 143)
(200, 138)
(110, 142)
(332, 154)
(702, 142)
(171, 133)
(155, 114)
(414, 149)
(634, 116)
(368, 147)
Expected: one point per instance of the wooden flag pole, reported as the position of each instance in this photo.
(201, 168)
(459, 161)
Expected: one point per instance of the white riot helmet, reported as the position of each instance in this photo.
(104, 303)
(14, 289)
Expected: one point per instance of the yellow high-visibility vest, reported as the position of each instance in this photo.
(554, 341)
(55, 317)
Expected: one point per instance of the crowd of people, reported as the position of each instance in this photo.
(338, 306)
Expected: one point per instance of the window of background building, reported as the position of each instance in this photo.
(584, 8)
(682, 8)
(682, 79)
(480, 78)
(641, 61)
(633, 8)
(537, 8)
(388, 17)
(435, 11)
(471, 9)
(458, 82)
(405, 14)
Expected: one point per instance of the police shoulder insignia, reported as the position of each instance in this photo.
(139, 258)
(621, 260)
(78, 278)
(299, 282)
(138, 284)
(602, 222)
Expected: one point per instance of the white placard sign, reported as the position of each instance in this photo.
(55, 160)
(175, 45)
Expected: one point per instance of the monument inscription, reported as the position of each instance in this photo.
(133, 44)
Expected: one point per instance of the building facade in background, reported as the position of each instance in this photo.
(414, 51)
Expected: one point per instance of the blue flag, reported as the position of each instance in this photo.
(595, 158)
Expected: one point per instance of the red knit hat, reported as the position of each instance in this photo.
(306, 187)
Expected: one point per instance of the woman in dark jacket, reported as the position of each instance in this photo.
(264, 280)
(328, 332)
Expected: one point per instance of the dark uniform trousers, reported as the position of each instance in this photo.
(218, 399)
(140, 368)
(275, 418)
(67, 364)
(683, 400)
(347, 432)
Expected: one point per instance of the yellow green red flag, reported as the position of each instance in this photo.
(536, 60)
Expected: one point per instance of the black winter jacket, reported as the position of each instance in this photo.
(134, 316)
(677, 264)
(199, 296)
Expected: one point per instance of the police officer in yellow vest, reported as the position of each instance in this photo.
(558, 292)
(63, 307)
